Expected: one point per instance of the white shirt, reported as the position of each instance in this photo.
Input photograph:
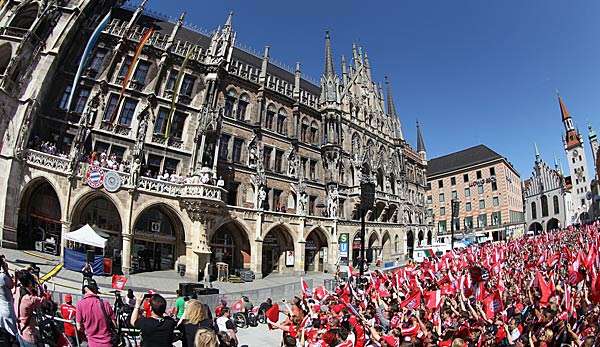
(221, 323)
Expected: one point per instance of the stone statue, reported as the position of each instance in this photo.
(293, 163)
(260, 199)
(303, 204)
(136, 167)
(332, 201)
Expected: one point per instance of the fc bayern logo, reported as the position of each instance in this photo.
(94, 177)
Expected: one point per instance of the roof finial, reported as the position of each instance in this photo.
(537, 152)
(229, 19)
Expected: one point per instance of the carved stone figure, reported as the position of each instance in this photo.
(332, 201)
(261, 197)
(293, 163)
(136, 167)
(303, 204)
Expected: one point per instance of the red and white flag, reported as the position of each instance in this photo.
(118, 282)
(433, 299)
(306, 292)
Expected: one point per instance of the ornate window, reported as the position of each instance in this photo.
(533, 210)
(556, 204)
(242, 107)
(270, 117)
(82, 98)
(314, 133)
(282, 122)
(127, 112)
(229, 103)
(544, 206)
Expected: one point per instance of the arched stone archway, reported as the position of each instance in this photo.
(278, 241)
(5, 56)
(536, 227)
(100, 212)
(25, 16)
(410, 243)
(429, 237)
(40, 218)
(552, 224)
(158, 239)
(315, 250)
(230, 244)
(421, 237)
(386, 246)
(373, 248)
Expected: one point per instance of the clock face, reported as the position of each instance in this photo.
(575, 153)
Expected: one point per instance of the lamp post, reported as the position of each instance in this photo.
(454, 203)
(367, 199)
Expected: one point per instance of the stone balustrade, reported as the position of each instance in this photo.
(47, 161)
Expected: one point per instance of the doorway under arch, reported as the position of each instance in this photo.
(386, 247)
(229, 244)
(275, 247)
(40, 218)
(536, 227)
(158, 239)
(373, 249)
(315, 251)
(410, 243)
(100, 212)
(553, 224)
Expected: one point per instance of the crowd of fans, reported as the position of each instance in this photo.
(533, 291)
(48, 147)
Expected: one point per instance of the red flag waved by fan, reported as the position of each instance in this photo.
(272, 314)
(413, 301)
(433, 299)
(118, 282)
(306, 292)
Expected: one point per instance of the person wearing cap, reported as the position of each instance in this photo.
(68, 312)
(26, 301)
(93, 316)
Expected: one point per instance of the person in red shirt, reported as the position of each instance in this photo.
(68, 312)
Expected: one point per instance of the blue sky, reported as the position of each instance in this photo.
(471, 71)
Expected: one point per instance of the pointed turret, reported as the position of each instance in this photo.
(221, 43)
(420, 142)
(262, 78)
(593, 142)
(537, 152)
(344, 71)
(391, 110)
(297, 75)
(229, 20)
(367, 65)
(572, 137)
(329, 81)
(328, 56)
(355, 59)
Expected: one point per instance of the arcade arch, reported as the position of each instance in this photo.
(278, 241)
(315, 250)
(230, 244)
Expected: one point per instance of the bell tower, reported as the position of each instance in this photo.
(577, 163)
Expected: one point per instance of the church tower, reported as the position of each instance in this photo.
(576, 160)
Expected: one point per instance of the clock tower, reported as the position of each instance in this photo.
(577, 164)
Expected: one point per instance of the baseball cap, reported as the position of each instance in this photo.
(91, 284)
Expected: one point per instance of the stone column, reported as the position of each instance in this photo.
(256, 247)
(299, 248)
(126, 253)
(192, 262)
(66, 227)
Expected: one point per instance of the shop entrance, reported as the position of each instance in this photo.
(277, 251)
(315, 251)
(157, 240)
(39, 225)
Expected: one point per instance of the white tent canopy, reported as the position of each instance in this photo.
(87, 236)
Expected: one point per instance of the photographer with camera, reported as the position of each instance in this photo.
(26, 301)
(157, 329)
(95, 317)
(8, 328)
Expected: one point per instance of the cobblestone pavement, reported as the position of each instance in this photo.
(165, 282)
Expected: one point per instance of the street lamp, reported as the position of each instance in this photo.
(367, 199)
(454, 203)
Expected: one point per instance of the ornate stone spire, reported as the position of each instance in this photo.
(329, 72)
(537, 152)
(420, 141)
(391, 109)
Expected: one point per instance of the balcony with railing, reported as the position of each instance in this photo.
(45, 161)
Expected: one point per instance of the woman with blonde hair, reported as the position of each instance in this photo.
(195, 317)
(206, 338)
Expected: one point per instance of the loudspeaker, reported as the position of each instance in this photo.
(207, 291)
(187, 289)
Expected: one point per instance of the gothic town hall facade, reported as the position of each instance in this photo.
(179, 147)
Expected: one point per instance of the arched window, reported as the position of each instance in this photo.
(282, 122)
(5, 55)
(555, 203)
(314, 133)
(396, 244)
(533, 210)
(25, 17)
(270, 119)
(544, 206)
(304, 130)
(229, 103)
(242, 106)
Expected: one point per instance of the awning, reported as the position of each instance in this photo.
(87, 236)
